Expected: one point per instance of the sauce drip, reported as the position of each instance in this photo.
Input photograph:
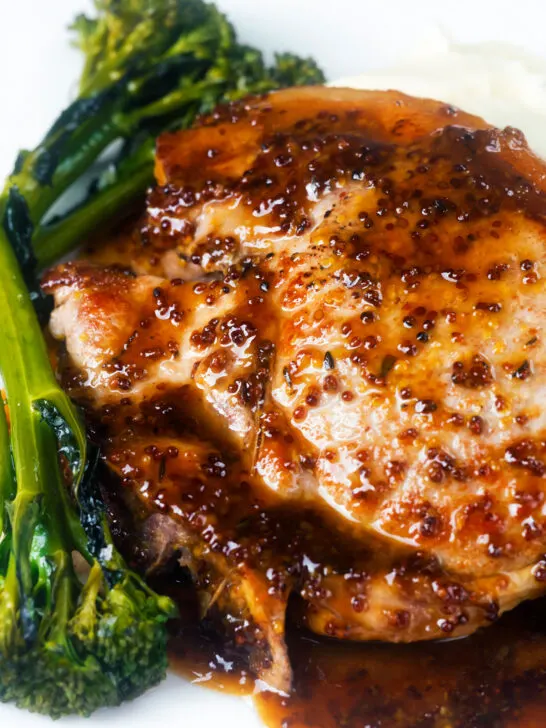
(494, 678)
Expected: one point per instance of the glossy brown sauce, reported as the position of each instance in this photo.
(495, 678)
(197, 652)
(199, 658)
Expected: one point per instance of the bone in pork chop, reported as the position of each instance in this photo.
(322, 370)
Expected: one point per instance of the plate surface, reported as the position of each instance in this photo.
(348, 38)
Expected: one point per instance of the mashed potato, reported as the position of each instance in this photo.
(501, 83)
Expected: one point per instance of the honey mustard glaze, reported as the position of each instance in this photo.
(495, 678)
(316, 377)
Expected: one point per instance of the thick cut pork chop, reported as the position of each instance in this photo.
(324, 362)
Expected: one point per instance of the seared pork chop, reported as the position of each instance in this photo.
(324, 362)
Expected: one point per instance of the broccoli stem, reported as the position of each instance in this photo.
(25, 368)
(79, 158)
(7, 564)
(53, 241)
(7, 484)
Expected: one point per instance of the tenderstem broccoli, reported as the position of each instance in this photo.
(74, 639)
(66, 645)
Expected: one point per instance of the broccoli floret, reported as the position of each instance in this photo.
(74, 640)
(291, 70)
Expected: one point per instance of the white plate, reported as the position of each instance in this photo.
(348, 37)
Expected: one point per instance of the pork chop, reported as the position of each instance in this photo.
(323, 360)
